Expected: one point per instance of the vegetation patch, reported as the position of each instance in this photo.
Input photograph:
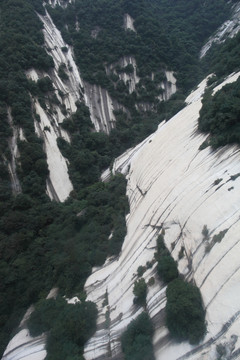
(137, 339)
(234, 177)
(167, 266)
(68, 326)
(216, 238)
(62, 72)
(220, 115)
(45, 244)
(140, 292)
(141, 270)
(151, 281)
(217, 181)
(185, 313)
(222, 59)
(177, 49)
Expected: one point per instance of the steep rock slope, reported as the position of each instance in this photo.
(23, 346)
(70, 90)
(67, 91)
(49, 131)
(101, 107)
(173, 185)
(100, 104)
(228, 29)
(12, 166)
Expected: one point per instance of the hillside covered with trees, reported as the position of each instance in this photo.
(46, 244)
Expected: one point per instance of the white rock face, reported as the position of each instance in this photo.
(54, 112)
(128, 23)
(62, 54)
(59, 185)
(229, 29)
(23, 346)
(98, 100)
(67, 92)
(101, 107)
(100, 104)
(129, 79)
(169, 86)
(171, 184)
(12, 143)
(62, 3)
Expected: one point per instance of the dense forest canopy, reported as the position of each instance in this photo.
(168, 34)
(46, 244)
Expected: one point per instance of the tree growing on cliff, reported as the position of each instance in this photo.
(140, 292)
(185, 312)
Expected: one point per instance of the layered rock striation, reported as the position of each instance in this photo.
(175, 186)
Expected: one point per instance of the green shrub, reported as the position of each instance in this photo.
(185, 312)
(140, 271)
(62, 72)
(140, 292)
(162, 250)
(137, 339)
(69, 326)
(205, 232)
(119, 233)
(204, 145)
(220, 115)
(45, 84)
(167, 268)
(223, 59)
(218, 237)
(151, 281)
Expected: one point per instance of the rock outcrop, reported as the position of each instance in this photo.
(128, 23)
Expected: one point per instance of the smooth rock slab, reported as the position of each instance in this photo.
(171, 184)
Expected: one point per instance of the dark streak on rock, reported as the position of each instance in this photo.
(142, 193)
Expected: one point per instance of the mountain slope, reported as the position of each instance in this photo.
(81, 83)
(175, 186)
(180, 189)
